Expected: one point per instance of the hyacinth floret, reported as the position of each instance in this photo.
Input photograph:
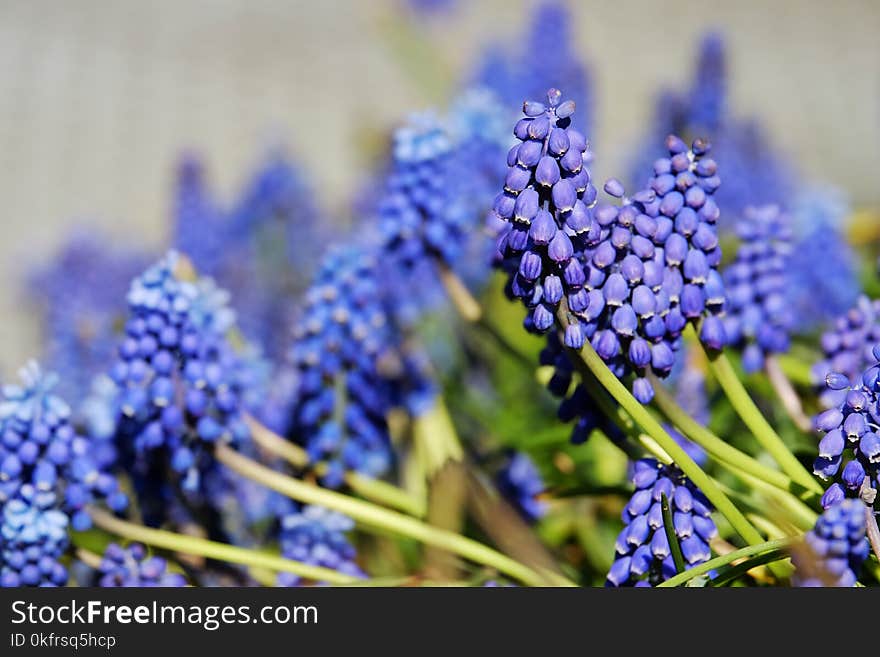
(39, 447)
(654, 268)
(419, 215)
(849, 451)
(33, 538)
(546, 210)
(758, 319)
(178, 378)
(847, 347)
(342, 401)
(520, 482)
(131, 566)
(834, 549)
(642, 553)
(317, 537)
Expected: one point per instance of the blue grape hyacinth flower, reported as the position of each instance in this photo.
(80, 295)
(340, 411)
(849, 451)
(759, 318)
(131, 566)
(834, 549)
(847, 348)
(546, 209)
(179, 381)
(317, 537)
(642, 553)
(33, 538)
(520, 482)
(40, 448)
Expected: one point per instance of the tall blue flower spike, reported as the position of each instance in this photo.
(759, 319)
(754, 173)
(33, 538)
(834, 549)
(317, 537)
(847, 348)
(420, 215)
(80, 307)
(542, 58)
(132, 567)
(520, 483)
(343, 398)
(41, 450)
(179, 380)
(850, 449)
(823, 267)
(642, 553)
(546, 206)
(200, 228)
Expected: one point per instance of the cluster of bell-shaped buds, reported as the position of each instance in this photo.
(40, 448)
(546, 212)
(835, 549)
(179, 380)
(339, 343)
(520, 482)
(758, 319)
(643, 556)
(33, 538)
(849, 452)
(847, 347)
(317, 537)
(131, 566)
(420, 216)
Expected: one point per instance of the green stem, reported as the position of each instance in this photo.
(734, 572)
(718, 449)
(757, 423)
(375, 490)
(783, 388)
(653, 428)
(725, 559)
(213, 550)
(377, 517)
(671, 538)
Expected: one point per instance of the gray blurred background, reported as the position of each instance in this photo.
(99, 97)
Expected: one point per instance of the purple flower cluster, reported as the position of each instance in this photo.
(33, 538)
(628, 278)
(40, 450)
(850, 449)
(546, 56)
(519, 481)
(80, 307)
(758, 318)
(132, 567)
(642, 553)
(847, 347)
(317, 537)
(834, 549)
(339, 344)
(179, 380)
(419, 214)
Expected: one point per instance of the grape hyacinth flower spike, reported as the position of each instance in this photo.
(132, 567)
(547, 208)
(834, 549)
(179, 380)
(519, 481)
(850, 449)
(643, 556)
(758, 318)
(41, 449)
(316, 536)
(340, 411)
(33, 538)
